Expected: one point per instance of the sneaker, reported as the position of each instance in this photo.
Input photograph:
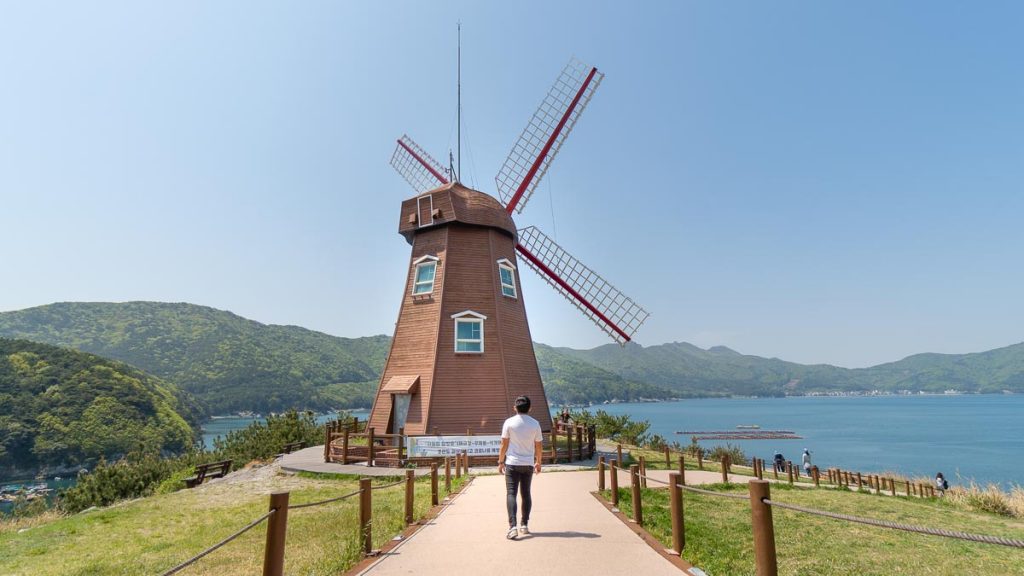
(512, 533)
(523, 530)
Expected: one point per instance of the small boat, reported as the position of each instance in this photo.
(748, 427)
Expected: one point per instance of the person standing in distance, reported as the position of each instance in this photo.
(519, 459)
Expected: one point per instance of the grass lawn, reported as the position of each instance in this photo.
(151, 535)
(719, 541)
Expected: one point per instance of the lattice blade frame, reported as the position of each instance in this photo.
(612, 311)
(418, 168)
(547, 130)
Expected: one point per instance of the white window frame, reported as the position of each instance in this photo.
(505, 264)
(469, 316)
(422, 262)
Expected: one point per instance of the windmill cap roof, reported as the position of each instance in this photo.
(453, 203)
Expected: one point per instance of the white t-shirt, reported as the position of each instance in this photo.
(522, 432)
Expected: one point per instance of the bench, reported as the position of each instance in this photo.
(292, 447)
(210, 470)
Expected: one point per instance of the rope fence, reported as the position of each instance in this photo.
(277, 517)
(897, 526)
(761, 505)
(196, 558)
(328, 501)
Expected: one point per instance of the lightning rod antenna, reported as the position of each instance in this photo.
(458, 166)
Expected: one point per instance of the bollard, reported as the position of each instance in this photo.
(817, 476)
(643, 472)
(600, 473)
(614, 478)
(433, 484)
(764, 531)
(277, 530)
(366, 515)
(410, 494)
(725, 469)
(682, 470)
(675, 482)
(634, 477)
(447, 475)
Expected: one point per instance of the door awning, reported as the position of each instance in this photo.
(403, 384)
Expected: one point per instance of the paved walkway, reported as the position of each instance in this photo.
(572, 532)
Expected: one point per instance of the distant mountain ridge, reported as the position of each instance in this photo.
(230, 363)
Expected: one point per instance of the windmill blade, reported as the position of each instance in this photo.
(543, 136)
(610, 309)
(418, 168)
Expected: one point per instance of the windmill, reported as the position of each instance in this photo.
(462, 349)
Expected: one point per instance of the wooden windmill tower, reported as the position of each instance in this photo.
(462, 349)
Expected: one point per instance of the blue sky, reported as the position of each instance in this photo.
(818, 181)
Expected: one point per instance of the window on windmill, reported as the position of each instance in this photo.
(469, 335)
(508, 279)
(424, 283)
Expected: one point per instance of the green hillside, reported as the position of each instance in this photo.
(61, 407)
(228, 362)
(719, 371)
(232, 364)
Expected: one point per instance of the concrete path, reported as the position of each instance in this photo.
(572, 533)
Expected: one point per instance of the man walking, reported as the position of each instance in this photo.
(519, 459)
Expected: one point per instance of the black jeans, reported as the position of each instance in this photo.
(518, 479)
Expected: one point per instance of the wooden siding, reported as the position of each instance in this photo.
(456, 203)
(462, 392)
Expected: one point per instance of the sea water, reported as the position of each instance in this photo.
(979, 437)
(221, 425)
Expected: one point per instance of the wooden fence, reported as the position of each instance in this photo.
(356, 442)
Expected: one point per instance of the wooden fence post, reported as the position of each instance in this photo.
(366, 514)
(410, 494)
(579, 442)
(447, 475)
(676, 504)
(369, 436)
(860, 481)
(344, 446)
(725, 469)
(764, 531)
(789, 472)
(401, 446)
(600, 473)
(433, 484)
(634, 476)
(554, 444)
(643, 472)
(668, 459)
(700, 459)
(458, 465)
(892, 486)
(614, 481)
(618, 449)
(465, 462)
(277, 530)
(775, 469)
(908, 488)
(816, 475)
(682, 470)
(327, 442)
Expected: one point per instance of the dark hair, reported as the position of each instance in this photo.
(523, 404)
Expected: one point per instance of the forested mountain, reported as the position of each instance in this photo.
(64, 407)
(228, 362)
(719, 371)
